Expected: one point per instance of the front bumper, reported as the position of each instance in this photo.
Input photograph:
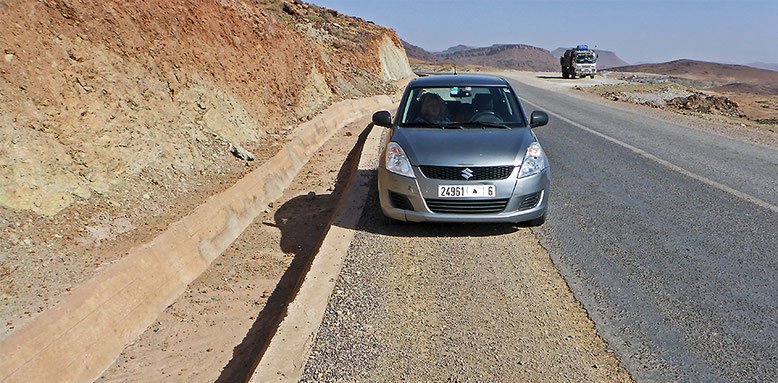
(585, 71)
(419, 190)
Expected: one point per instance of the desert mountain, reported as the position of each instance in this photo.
(605, 59)
(418, 53)
(708, 71)
(763, 65)
(507, 56)
(456, 48)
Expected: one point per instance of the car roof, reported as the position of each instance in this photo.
(457, 80)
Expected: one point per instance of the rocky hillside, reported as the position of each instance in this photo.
(605, 59)
(97, 95)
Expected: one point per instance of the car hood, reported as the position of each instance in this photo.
(468, 147)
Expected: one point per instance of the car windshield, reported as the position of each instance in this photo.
(462, 107)
(585, 59)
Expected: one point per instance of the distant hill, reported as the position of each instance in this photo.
(767, 66)
(418, 53)
(605, 59)
(703, 70)
(455, 49)
(505, 56)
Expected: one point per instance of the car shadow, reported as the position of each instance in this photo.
(303, 221)
(552, 77)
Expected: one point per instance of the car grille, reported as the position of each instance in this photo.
(400, 201)
(529, 201)
(455, 172)
(467, 206)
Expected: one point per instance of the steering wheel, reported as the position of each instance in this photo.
(486, 116)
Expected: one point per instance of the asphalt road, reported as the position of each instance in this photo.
(669, 238)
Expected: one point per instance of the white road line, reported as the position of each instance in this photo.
(669, 165)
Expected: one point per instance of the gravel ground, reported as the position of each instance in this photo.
(454, 302)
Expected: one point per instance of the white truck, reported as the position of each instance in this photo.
(579, 62)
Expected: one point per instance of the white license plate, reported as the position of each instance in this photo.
(465, 191)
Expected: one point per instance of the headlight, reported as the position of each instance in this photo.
(534, 161)
(397, 162)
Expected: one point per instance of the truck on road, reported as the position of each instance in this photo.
(579, 62)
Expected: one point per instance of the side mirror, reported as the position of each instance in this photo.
(538, 118)
(382, 118)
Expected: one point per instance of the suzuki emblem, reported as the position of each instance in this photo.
(467, 173)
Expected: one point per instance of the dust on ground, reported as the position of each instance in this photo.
(213, 329)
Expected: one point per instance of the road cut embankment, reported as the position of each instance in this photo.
(77, 339)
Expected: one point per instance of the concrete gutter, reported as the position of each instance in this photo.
(292, 343)
(79, 338)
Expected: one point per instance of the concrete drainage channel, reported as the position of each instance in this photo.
(285, 357)
(77, 339)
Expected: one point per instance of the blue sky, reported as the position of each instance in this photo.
(638, 31)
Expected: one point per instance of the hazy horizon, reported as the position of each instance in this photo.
(637, 31)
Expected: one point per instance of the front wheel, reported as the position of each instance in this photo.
(537, 221)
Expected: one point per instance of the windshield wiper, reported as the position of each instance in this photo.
(485, 124)
(426, 124)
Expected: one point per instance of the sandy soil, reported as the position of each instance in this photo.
(215, 328)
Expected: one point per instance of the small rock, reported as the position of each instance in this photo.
(241, 153)
(311, 195)
(146, 196)
(348, 134)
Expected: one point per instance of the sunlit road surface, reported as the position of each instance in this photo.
(668, 236)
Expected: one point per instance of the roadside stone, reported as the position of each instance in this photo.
(241, 153)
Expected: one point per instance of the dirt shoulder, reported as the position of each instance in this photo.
(650, 98)
(435, 302)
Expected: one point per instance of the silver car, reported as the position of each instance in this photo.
(461, 150)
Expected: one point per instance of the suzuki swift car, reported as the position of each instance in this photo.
(461, 149)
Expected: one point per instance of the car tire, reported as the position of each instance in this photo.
(389, 221)
(537, 221)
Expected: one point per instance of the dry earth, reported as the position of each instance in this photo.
(215, 329)
(120, 117)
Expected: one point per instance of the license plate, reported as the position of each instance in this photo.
(465, 191)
